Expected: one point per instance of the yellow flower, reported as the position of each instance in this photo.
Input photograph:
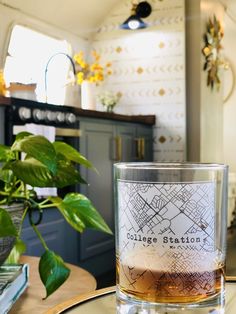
(92, 79)
(2, 84)
(99, 77)
(96, 67)
(80, 77)
(94, 72)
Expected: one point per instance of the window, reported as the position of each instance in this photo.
(28, 54)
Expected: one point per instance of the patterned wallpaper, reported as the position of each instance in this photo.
(149, 71)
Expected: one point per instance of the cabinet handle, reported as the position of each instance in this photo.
(142, 155)
(140, 148)
(118, 148)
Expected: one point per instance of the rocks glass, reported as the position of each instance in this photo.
(171, 223)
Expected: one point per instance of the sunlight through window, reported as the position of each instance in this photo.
(28, 54)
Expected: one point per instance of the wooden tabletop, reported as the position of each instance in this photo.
(79, 282)
(104, 302)
(79, 299)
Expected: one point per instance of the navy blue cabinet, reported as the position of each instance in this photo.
(105, 142)
(97, 144)
(57, 233)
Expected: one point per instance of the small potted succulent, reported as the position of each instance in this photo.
(33, 161)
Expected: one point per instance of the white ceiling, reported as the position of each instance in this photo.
(231, 7)
(80, 17)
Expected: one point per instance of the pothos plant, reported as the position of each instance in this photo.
(44, 164)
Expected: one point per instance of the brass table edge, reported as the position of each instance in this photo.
(230, 279)
(66, 305)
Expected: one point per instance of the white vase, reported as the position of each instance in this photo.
(88, 100)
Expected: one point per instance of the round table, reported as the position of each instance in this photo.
(104, 302)
(80, 281)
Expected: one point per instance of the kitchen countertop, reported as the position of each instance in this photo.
(143, 119)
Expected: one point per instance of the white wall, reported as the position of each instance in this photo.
(149, 71)
(204, 105)
(229, 107)
(211, 100)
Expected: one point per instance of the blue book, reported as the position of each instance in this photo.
(13, 282)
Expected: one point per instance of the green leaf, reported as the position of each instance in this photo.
(53, 271)
(80, 213)
(22, 135)
(72, 218)
(66, 175)
(40, 148)
(32, 172)
(71, 154)
(18, 249)
(7, 226)
(6, 153)
(6, 176)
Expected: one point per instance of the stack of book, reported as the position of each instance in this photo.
(13, 282)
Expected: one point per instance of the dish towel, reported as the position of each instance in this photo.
(49, 132)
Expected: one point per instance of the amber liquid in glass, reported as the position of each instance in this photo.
(164, 287)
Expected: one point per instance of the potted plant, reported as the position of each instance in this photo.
(44, 164)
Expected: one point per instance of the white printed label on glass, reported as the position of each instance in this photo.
(167, 225)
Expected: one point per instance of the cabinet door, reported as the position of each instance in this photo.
(125, 137)
(144, 142)
(96, 145)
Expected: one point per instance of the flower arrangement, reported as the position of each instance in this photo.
(93, 72)
(109, 99)
(3, 88)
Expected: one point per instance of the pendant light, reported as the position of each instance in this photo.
(141, 10)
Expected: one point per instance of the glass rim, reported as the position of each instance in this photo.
(171, 165)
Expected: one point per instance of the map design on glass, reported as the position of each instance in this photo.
(167, 229)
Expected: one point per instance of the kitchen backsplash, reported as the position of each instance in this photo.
(149, 71)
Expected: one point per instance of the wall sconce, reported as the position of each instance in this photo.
(141, 10)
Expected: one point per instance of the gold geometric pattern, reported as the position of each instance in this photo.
(162, 92)
(161, 45)
(162, 139)
(118, 49)
(149, 71)
(139, 70)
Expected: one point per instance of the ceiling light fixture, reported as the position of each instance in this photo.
(141, 10)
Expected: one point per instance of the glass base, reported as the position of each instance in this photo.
(130, 305)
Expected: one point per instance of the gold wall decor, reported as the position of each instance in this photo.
(211, 50)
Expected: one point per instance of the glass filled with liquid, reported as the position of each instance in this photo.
(171, 222)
